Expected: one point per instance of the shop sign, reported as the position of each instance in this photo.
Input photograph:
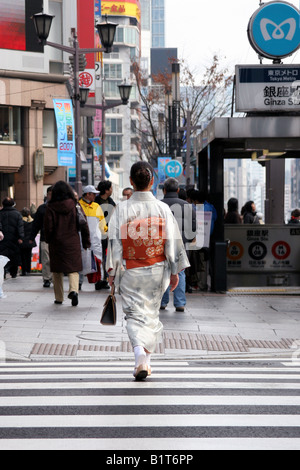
(263, 248)
(270, 88)
(131, 8)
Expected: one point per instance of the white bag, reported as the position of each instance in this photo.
(88, 262)
(3, 263)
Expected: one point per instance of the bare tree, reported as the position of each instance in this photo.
(206, 99)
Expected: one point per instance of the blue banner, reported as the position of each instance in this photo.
(97, 144)
(97, 8)
(66, 152)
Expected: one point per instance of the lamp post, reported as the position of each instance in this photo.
(125, 91)
(107, 31)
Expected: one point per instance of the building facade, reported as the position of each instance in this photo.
(158, 24)
(122, 122)
(30, 77)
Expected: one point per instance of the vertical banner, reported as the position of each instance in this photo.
(98, 9)
(162, 162)
(66, 152)
(97, 145)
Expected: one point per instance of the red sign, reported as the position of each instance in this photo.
(281, 250)
(86, 28)
(85, 80)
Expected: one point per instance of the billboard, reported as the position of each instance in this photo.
(16, 27)
(12, 25)
(130, 8)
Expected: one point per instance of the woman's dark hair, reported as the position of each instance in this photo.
(141, 174)
(104, 186)
(233, 205)
(62, 191)
(247, 207)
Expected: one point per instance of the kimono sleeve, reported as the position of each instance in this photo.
(115, 247)
(174, 247)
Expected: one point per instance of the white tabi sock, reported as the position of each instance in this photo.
(148, 359)
(140, 355)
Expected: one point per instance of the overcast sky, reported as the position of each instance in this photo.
(202, 28)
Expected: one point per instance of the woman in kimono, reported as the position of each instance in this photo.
(145, 255)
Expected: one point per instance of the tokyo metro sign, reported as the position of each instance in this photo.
(274, 30)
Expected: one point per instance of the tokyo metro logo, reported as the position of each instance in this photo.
(278, 30)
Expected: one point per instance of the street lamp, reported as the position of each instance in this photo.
(42, 23)
(107, 31)
(125, 91)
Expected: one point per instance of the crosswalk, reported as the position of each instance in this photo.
(183, 405)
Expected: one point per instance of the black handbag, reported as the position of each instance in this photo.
(81, 219)
(109, 314)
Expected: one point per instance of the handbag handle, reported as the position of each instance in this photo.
(113, 289)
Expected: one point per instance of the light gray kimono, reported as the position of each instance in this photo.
(142, 288)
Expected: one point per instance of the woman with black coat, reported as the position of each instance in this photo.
(12, 227)
(61, 233)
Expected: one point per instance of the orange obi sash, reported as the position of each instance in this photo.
(144, 242)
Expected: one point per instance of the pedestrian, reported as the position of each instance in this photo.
(26, 247)
(61, 233)
(145, 256)
(127, 193)
(108, 205)
(12, 228)
(249, 214)
(97, 227)
(200, 256)
(186, 220)
(295, 217)
(233, 217)
(38, 226)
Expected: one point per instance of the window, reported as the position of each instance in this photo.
(111, 89)
(10, 125)
(119, 35)
(114, 126)
(113, 71)
(49, 129)
(114, 143)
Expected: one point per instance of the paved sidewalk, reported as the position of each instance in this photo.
(33, 328)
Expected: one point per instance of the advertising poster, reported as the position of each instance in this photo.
(66, 152)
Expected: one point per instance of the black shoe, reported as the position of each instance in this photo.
(180, 309)
(57, 302)
(47, 284)
(74, 297)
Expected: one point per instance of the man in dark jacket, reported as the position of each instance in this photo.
(186, 219)
(12, 227)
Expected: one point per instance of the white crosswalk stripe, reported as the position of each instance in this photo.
(183, 405)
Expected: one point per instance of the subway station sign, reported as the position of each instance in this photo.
(270, 88)
(274, 30)
(263, 248)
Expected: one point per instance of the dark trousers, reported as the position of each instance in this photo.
(26, 254)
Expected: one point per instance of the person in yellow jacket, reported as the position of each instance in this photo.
(97, 225)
